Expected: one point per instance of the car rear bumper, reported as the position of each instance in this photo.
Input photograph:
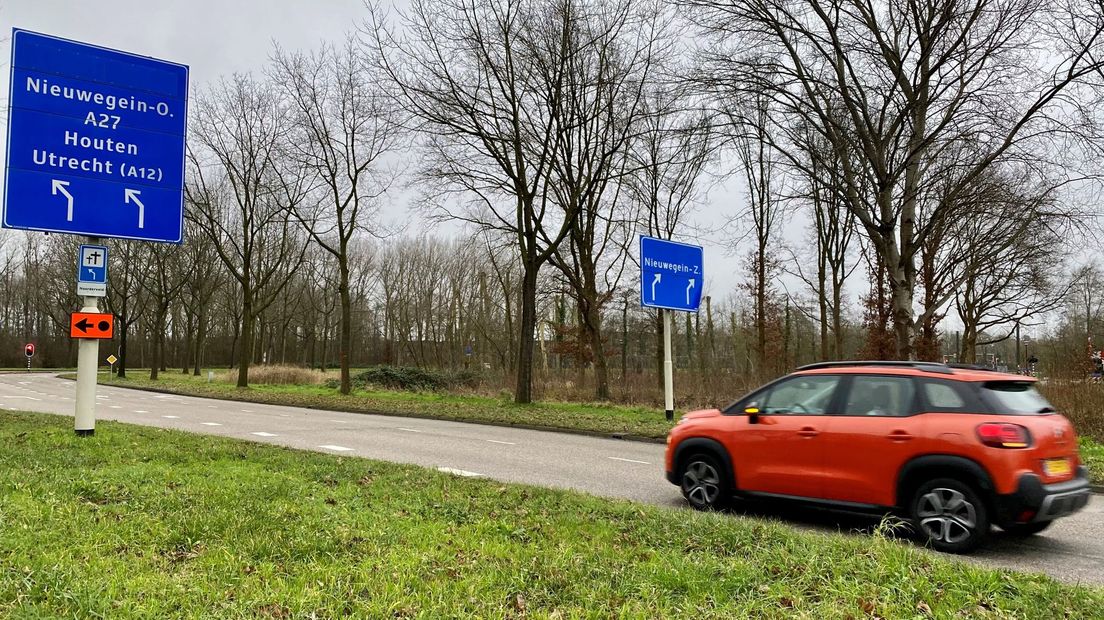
(1034, 501)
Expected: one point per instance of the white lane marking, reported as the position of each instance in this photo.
(409, 430)
(102, 398)
(247, 411)
(27, 397)
(263, 434)
(171, 417)
(505, 443)
(167, 396)
(116, 406)
(140, 411)
(616, 458)
(341, 421)
(284, 415)
(336, 448)
(210, 423)
(459, 472)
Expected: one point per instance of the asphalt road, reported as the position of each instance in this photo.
(1072, 550)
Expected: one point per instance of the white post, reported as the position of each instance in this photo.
(668, 368)
(88, 354)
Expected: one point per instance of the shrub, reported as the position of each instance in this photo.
(1081, 402)
(416, 379)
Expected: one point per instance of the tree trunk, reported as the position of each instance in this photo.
(346, 335)
(122, 347)
(246, 347)
(201, 338)
(902, 314)
(524, 390)
(601, 367)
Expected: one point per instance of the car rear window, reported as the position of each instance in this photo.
(1016, 397)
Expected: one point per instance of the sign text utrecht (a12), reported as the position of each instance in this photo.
(96, 141)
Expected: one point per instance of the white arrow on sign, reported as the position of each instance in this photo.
(132, 195)
(57, 186)
(92, 273)
(689, 288)
(658, 277)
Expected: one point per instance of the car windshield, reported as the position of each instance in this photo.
(1016, 397)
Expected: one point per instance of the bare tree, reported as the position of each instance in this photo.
(240, 194)
(611, 52)
(914, 81)
(480, 79)
(343, 127)
(673, 149)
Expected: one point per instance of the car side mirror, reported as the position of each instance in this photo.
(752, 412)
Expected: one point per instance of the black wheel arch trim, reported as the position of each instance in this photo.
(702, 444)
(947, 463)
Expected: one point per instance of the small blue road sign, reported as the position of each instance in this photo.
(671, 274)
(93, 264)
(92, 271)
(95, 141)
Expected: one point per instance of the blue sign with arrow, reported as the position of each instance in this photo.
(95, 141)
(671, 274)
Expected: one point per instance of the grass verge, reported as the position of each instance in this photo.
(590, 418)
(1092, 455)
(141, 522)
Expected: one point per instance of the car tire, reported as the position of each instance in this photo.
(704, 482)
(949, 515)
(1026, 529)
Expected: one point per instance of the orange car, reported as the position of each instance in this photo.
(951, 449)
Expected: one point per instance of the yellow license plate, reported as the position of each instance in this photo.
(1056, 467)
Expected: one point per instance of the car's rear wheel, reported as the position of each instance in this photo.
(1026, 529)
(704, 482)
(950, 515)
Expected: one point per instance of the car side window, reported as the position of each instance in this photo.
(948, 397)
(800, 395)
(880, 395)
(942, 396)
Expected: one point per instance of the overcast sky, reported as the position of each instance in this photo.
(219, 37)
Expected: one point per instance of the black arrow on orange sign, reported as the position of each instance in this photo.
(83, 325)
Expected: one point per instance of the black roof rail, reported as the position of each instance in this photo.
(937, 367)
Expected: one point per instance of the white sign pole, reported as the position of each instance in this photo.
(88, 361)
(668, 368)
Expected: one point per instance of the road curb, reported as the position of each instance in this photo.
(393, 414)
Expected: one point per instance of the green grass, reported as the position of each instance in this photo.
(593, 418)
(146, 523)
(1092, 455)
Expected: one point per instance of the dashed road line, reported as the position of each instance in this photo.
(336, 448)
(263, 434)
(210, 423)
(459, 472)
(171, 417)
(617, 458)
(409, 430)
(140, 411)
(505, 443)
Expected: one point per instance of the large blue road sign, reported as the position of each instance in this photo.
(671, 274)
(95, 141)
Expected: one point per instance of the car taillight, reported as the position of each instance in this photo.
(1003, 435)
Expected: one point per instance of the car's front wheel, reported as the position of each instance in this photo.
(950, 515)
(704, 482)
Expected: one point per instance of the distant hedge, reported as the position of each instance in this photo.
(413, 379)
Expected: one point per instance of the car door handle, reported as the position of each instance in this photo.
(808, 431)
(899, 436)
